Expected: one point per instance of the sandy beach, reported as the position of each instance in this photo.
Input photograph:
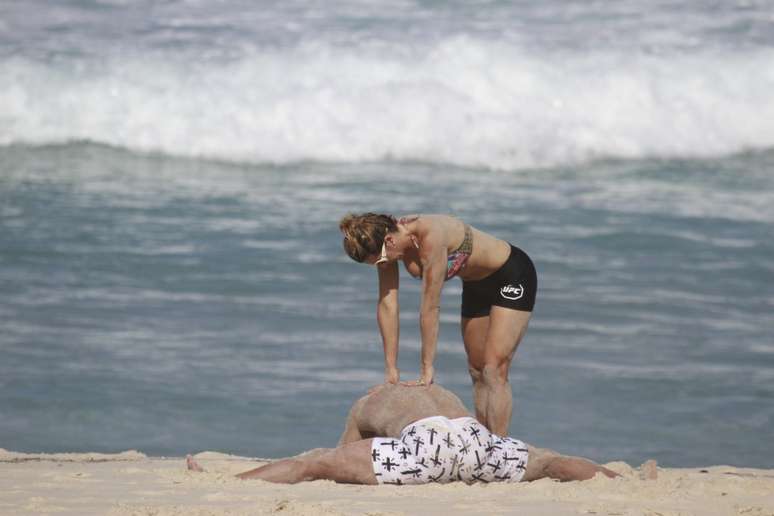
(131, 483)
(174, 277)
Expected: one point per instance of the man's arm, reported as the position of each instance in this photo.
(352, 430)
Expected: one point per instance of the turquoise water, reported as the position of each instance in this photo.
(172, 175)
(172, 305)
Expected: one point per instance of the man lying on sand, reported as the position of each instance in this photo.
(415, 435)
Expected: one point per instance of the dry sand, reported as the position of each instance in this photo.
(132, 484)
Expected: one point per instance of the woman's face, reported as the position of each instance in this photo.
(392, 249)
(382, 258)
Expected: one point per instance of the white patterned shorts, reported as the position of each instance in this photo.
(438, 449)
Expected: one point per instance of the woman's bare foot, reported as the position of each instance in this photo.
(193, 465)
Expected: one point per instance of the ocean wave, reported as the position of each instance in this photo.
(464, 101)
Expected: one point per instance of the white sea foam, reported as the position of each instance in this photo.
(464, 101)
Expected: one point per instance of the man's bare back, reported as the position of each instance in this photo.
(388, 409)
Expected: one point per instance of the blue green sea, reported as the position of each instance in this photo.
(172, 175)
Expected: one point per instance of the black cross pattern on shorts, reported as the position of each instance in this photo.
(432, 435)
(389, 464)
(436, 479)
(398, 482)
(495, 467)
(474, 432)
(392, 444)
(448, 440)
(375, 454)
(503, 477)
(422, 463)
(413, 472)
(506, 458)
(521, 466)
(404, 452)
(464, 445)
(418, 441)
(435, 459)
(493, 446)
(413, 431)
(478, 461)
(480, 478)
(454, 463)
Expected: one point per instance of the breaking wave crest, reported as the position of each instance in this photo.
(464, 101)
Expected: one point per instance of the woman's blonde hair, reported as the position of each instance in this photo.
(364, 233)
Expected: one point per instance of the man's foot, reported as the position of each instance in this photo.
(192, 464)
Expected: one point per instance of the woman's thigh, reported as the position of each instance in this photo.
(474, 331)
(506, 329)
(494, 339)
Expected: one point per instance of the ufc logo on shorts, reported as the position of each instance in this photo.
(512, 292)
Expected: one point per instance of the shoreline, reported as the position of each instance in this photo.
(132, 483)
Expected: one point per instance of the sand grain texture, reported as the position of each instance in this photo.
(133, 484)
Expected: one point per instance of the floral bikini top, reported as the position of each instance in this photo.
(456, 260)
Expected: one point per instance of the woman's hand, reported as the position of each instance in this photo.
(391, 375)
(426, 375)
(426, 378)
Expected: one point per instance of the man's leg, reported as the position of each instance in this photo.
(349, 464)
(545, 463)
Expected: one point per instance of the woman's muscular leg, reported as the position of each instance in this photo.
(489, 360)
(506, 329)
(474, 336)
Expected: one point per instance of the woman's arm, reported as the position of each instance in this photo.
(387, 315)
(433, 258)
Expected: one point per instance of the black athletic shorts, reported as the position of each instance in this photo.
(513, 285)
